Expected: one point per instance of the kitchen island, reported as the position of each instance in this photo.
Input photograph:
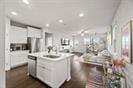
(53, 69)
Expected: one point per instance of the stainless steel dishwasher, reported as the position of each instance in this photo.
(32, 65)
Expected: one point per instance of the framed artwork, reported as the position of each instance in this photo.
(127, 42)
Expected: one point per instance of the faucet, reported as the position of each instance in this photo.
(56, 50)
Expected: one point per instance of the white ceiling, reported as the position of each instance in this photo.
(97, 13)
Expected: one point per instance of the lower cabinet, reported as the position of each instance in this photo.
(53, 73)
(18, 58)
(44, 75)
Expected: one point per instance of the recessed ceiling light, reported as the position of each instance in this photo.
(61, 21)
(26, 2)
(82, 34)
(81, 15)
(14, 13)
(47, 25)
(86, 31)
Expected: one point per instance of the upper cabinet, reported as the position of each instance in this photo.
(18, 35)
(33, 32)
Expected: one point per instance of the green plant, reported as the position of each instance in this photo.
(49, 49)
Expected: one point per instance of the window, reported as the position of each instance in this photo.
(76, 42)
(86, 41)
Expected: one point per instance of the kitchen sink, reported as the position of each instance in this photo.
(51, 56)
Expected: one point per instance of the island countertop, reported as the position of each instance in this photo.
(61, 55)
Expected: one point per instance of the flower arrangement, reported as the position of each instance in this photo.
(119, 62)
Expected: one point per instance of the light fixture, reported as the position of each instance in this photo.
(26, 2)
(86, 32)
(61, 21)
(14, 13)
(82, 34)
(81, 15)
(47, 25)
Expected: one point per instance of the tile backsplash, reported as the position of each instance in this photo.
(17, 47)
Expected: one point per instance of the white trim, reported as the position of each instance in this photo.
(2, 46)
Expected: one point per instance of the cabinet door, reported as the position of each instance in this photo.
(18, 35)
(13, 60)
(44, 74)
(18, 58)
(25, 56)
(32, 32)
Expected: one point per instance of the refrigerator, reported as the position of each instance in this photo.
(35, 44)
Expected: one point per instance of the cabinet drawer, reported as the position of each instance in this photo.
(46, 64)
(44, 75)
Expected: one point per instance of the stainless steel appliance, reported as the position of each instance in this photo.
(35, 44)
(32, 64)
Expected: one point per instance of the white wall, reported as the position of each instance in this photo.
(123, 15)
(2, 42)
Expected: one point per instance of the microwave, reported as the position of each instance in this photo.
(17, 47)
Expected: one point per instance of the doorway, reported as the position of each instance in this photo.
(48, 39)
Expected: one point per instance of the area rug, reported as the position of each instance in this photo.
(94, 80)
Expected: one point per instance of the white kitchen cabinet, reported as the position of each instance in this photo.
(53, 73)
(44, 74)
(33, 32)
(25, 55)
(18, 58)
(18, 35)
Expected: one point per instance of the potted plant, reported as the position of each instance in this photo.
(50, 49)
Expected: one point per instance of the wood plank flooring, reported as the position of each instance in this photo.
(17, 78)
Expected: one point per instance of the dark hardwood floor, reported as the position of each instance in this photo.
(81, 73)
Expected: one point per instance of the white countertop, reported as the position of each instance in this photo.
(41, 55)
